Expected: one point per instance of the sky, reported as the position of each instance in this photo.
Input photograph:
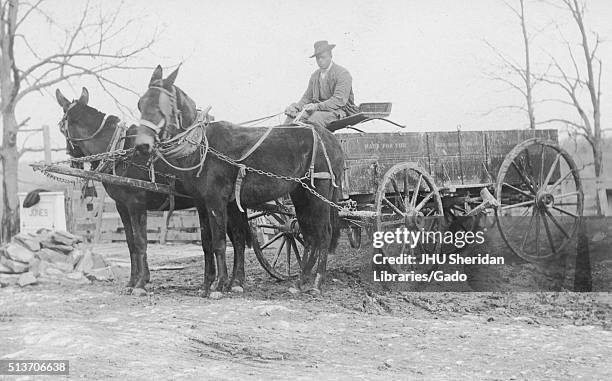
(249, 59)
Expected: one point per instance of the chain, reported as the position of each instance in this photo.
(298, 180)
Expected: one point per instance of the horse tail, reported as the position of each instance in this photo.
(248, 235)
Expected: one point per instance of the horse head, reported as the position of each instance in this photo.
(165, 111)
(81, 124)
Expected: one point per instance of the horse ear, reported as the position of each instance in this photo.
(84, 96)
(172, 77)
(157, 75)
(61, 99)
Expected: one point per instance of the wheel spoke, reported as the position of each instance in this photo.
(273, 239)
(526, 181)
(558, 182)
(288, 251)
(518, 220)
(535, 211)
(397, 191)
(565, 211)
(550, 238)
(552, 168)
(393, 207)
(529, 173)
(518, 190)
(520, 204)
(297, 252)
(566, 195)
(406, 188)
(416, 192)
(279, 251)
(537, 234)
(557, 224)
(424, 201)
(541, 176)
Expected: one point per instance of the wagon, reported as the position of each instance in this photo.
(405, 179)
(421, 180)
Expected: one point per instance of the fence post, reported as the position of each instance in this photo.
(47, 143)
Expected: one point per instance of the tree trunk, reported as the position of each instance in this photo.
(10, 169)
(598, 164)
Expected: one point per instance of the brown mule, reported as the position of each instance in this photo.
(89, 132)
(287, 150)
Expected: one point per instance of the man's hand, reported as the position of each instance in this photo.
(292, 110)
(311, 107)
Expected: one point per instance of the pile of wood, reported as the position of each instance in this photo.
(53, 256)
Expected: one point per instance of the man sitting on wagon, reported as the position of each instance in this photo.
(329, 95)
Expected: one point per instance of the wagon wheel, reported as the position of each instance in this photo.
(280, 251)
(541, 199)
(354, 236)
(408, 198)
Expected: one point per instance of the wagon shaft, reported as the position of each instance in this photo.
(107, 178)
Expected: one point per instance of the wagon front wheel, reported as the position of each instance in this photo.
(408, 199)
(277, 243)
(541, 197)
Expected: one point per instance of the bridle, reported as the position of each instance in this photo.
(63, 125)
(171, 118)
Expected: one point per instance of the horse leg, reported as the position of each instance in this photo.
(299, 198)
(239, 234)
(330, 237)
(314, 217)
(129, 236)
(217, 217)
(138, 217)
(209, 261)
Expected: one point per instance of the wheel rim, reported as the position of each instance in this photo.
(407, 198)
(541, 199)
(277, 243)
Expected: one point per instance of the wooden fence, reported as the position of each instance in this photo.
(97, 220)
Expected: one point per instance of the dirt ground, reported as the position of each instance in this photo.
(351, 332)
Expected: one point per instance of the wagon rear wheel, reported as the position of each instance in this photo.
(408, 198)
(541, 198)
(277, 241)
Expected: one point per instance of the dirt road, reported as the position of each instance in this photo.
(351, 332)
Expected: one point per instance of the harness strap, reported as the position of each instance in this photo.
(315, 143)
(329, 166)
(256, 145)
(117, 141)
(155, 127)
(238, 185)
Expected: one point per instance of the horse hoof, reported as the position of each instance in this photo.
(238, 289)
(139, 292)
(215, 295)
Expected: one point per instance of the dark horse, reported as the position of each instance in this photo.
(287, 150)
(89, 132)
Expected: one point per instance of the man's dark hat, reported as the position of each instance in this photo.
(322, 46)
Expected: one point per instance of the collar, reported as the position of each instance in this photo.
(325, 71)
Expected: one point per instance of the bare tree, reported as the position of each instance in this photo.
(89, 48)
(586, 78)
(518, 76)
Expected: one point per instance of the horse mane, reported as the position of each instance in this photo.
(183, 99)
